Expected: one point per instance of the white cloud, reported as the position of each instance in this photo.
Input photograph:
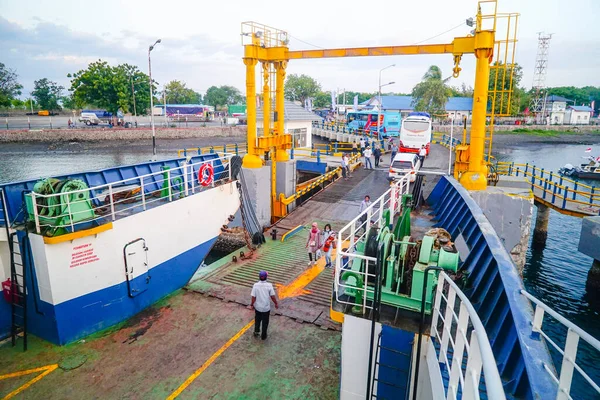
(201, 43)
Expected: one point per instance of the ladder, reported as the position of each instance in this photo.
(391, 386)
(18, 278)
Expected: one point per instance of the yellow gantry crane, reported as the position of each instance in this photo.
(269, 46)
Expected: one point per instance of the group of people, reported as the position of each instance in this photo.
(320, 242)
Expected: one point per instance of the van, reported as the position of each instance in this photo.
(405, 163)
(89, 118)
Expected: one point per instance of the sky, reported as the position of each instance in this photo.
(201, 42)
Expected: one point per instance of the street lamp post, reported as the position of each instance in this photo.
(152, 101)
(380, 104)
(133, 95)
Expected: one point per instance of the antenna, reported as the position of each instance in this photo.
(538, 101)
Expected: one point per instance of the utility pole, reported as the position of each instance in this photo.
(133, 95)
(380, 102)
(152, 101)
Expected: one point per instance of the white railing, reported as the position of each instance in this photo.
(466, 334)
(569, 354)
(115, 200)
(348, 239)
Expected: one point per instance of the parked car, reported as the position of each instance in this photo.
(405, 163)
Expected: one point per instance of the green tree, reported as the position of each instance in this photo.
(9, 87)
(68, 102)
(431, 94)
(462, 91)
(18, 104)
(47, 94)
(504, 86)
(216, 97)
(112, 88)
(301, 87)
(322, 100)
(177, 93)
(222, 96)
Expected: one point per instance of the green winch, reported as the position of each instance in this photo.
(61, 204)
(402, 261)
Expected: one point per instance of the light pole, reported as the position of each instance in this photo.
(133, 95)
(380, 103)
(451, 142)
(152, 101)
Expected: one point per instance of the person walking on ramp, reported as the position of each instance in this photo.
(313, 243)
(262, 295)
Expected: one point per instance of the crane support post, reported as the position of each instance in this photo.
(281, 153)
(476, 177)
(251, 159)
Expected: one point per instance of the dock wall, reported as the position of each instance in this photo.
(98, 134)
(511, 216)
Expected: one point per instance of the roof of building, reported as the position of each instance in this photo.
(557, 98)
(581, 108)
(405, 103)
(292, 112)
(459, 104)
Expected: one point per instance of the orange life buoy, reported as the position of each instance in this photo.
(205, 174)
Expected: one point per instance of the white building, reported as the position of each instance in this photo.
(578, 115)
(556, 107)
(297, 122)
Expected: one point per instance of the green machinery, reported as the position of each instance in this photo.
(58, 213)
(402, 262)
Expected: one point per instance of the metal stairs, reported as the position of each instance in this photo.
(392, 364)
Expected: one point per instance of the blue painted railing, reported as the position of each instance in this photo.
(13, 191)
(493, 287)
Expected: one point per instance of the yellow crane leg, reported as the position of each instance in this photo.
(476, 177)
(281, 154)
(251, 159)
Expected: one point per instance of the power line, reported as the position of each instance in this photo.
(422, 41)
(310, 44)
(440, 34)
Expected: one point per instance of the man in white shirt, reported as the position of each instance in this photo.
(363, 206)
(362, 145)
(368, 153)
(344, 167)
(262, 294)
(422, 154)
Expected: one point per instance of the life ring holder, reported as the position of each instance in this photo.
(206, 174)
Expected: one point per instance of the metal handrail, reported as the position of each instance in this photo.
(234, 148)
(136, 186)
(479, 350)
(570, 352)
(346, 237)
(553, 186)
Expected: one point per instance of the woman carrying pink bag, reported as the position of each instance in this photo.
(313, 243)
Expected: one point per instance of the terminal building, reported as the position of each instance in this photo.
(456, 107)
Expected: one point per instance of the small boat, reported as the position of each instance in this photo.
(590, 170)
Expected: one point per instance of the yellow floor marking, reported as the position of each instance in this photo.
(212, 358)
(46, 370)
(295, 288)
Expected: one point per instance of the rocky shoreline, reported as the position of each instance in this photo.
(117, 134)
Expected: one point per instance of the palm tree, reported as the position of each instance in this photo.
(431, 94)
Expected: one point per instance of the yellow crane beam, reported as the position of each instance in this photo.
(458, 46)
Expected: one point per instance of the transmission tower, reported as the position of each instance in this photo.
(538, 101)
